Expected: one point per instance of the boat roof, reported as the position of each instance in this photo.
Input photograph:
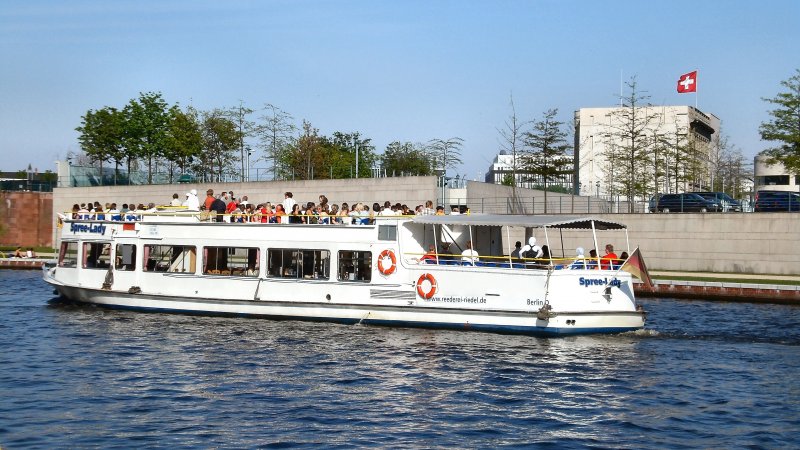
(511, 220)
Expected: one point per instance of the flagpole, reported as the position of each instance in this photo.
(696, 88)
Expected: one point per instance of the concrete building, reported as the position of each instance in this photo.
(773, 177)
(503, 166)
(595, 135)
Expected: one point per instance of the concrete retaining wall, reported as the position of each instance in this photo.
(757, 243)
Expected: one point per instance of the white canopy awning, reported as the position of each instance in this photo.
(510, 220)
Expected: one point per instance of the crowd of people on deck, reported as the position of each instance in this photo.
(225, 207)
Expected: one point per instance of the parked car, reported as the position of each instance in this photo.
(768, 201)
(687, 202)
(728, 203)
(651, 205)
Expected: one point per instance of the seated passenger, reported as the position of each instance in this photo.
(469, 255)
(516, 252)
(430, 257)
(580, 259)
(610, 259)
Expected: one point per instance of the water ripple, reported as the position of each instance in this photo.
(701, 375)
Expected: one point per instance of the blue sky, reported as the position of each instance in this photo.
(401, 70)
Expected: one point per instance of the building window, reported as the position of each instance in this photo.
(355, 266)
(125, 257)
(776, 180)
(96, 255)
(236, 261)
(170, 258)
(68, 255)
(299, 263)
(387, 232)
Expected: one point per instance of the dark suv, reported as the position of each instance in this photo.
(777, 201)
(687, 202)
(728, 203)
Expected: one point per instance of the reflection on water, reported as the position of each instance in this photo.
(702, 375)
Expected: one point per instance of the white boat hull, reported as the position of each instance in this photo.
(518, 322)
(393, 287)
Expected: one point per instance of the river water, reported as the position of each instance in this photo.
(703, 374)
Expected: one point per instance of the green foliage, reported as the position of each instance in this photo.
(221, 138)
(629, 148)
(347, 143)
(184, 141)
(508, 180)
(406, 159)
(103, 135)
(147, 128)
(546, 150)
(275, 134)
(784, 128)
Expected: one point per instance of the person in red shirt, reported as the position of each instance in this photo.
(430, 256)
(209, 199)
(610, 259)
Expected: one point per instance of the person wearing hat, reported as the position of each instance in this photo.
(192, 203)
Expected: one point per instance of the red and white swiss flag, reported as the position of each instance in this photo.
(687, 82)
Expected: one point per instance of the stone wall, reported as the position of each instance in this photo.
(27, 219)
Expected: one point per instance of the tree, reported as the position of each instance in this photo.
(148, 124)
(511, 141)
(246, 128)
(361, 151)
(275, 133)
(102, 136)
(221, 139)
(300, 159)
(546, 147)
(784, 127)
(185, 139)
(445, 153)
(629, 146)
(405, 158)
(675, 148)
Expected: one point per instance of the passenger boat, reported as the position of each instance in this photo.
(372, 274)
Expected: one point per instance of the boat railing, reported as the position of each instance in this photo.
(506, 262)
(212, 216)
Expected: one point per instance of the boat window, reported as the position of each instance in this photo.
(235, 261)
(125, 257)
(170, 258)
(96, 255)
(299, 263)
(355, 266)
(68, 255)
(387, 232)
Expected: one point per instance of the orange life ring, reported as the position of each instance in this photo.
(387, 270)
(432, 281)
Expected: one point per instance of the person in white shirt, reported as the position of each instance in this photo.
(288, 202)
(175, 200)
(192, 203)
(469, 255)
